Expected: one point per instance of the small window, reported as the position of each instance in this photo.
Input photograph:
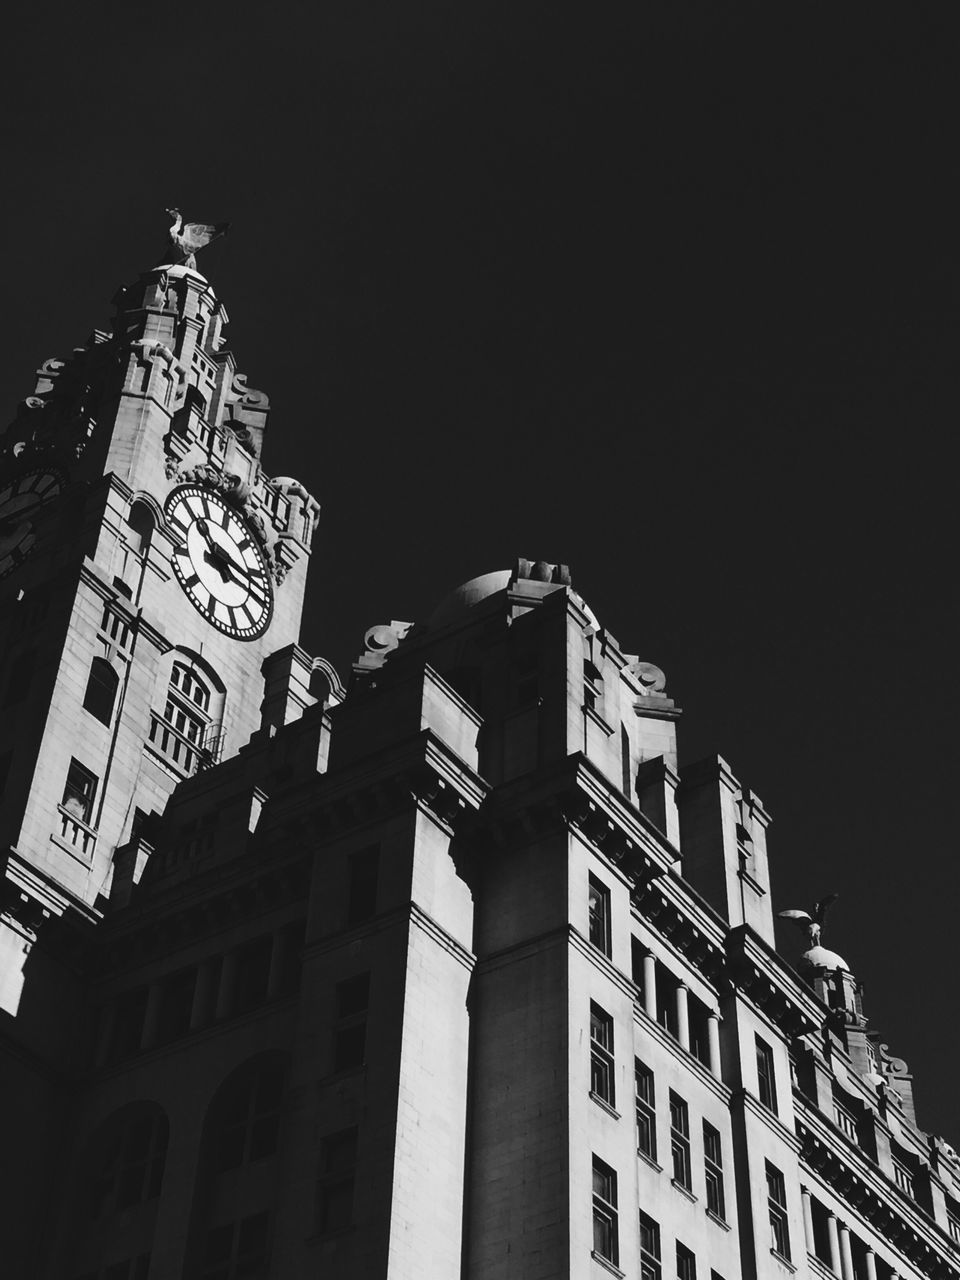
(80, 792)
(766, 1079)
(101, 690)
(605, 1238)
(237, 1249)
(777, 1207)
(953, 1225)
(247, 1117)
(713, 1170)
(846, 1120)
(903, 1176)
(338, 1176)
(350, 1035)
(599, 915)
(362, 892)
(680, 1140)
(646, 1110)
(649, 1248)
(601, 1054)
(686, 1263)
(132, 1169)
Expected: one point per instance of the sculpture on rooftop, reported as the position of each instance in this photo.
(811, 922)
(187, 238)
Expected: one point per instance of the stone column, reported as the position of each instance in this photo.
(683, 1017)
(808, 1221)
(846, 1255)
(203, 995)
(713, 1042)
(228, 975)
(871, 1264)
(151, 1017)
(650, 985)
(834, 1243)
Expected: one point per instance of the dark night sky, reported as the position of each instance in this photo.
(667, 291)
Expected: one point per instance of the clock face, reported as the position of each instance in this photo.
(20, 500)
(219, 563)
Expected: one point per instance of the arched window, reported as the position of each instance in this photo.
(235, 1198)
(131, 1168)
(140, 522)
(245, 1118)
(101, 691)
(186, 733)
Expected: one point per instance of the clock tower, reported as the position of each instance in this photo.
(151, 585)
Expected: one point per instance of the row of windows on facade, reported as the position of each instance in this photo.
(645, 1110)
(677, 1009)
(606, 1226)
(261, 970)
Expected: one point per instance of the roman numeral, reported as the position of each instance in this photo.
(192, 580)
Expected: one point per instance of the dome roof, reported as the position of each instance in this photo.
(469, 594)
(821, 958)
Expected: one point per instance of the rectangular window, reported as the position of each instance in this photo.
(766, 1080)
(600, 915)
(846, 1120)
(686, 1263)
(237, 1249)
(713, 1170)
(649, 1248)
(605, 1211)
(646, 1109)
(339, 1162)
(601, 1054)
(350, 1036)
(953, 1225)
(777, 1207)
(80, 791)
(903, 1176)
(680, 1140)
(364, 868)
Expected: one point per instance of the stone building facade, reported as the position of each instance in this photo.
(451, 973)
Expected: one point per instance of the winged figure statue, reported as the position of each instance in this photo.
(187, 238)
(811, 921)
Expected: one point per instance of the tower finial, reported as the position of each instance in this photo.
(186, 239)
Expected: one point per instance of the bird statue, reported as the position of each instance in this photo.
(187, 238)
(811, 922)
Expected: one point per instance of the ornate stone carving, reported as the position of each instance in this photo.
(651, 678)
(541, 571)
(379, 642)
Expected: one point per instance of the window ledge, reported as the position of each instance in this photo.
(784, 1262)
(684, 1191)
(607, 1264)
(647, 1159)
(715, 1217)
(604, 1105)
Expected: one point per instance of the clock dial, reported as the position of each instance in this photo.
(219, 564)
(20, 500)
